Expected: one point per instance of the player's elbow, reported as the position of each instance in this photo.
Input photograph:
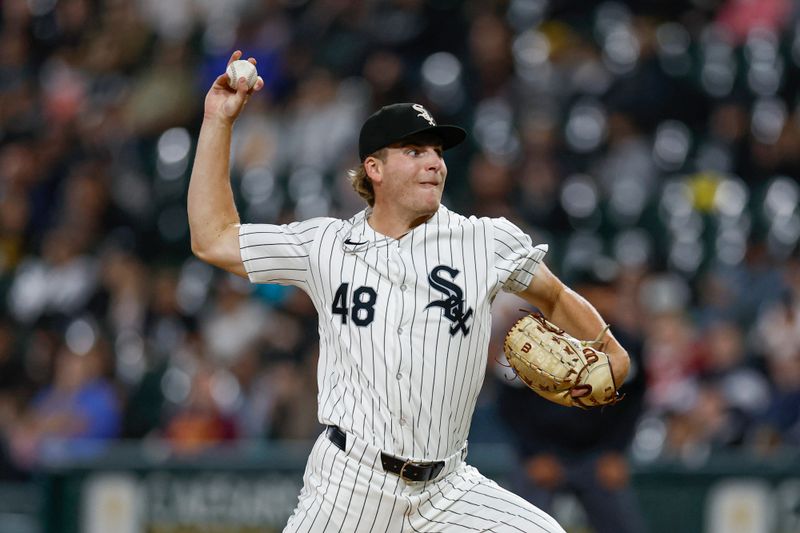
(206, 240)
(220, 250)
(205, 250)
(208, 254)
(200, 247)
(199, 252)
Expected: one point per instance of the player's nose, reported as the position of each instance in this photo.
(435, 161)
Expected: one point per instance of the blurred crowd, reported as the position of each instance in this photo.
(654, 145)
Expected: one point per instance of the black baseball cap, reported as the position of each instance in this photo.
(396, 122)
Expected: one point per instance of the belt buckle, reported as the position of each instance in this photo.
(409, 462)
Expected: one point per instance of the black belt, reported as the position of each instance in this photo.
(404, 468)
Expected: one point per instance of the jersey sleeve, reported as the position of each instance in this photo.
(515, 257)
(278, 253)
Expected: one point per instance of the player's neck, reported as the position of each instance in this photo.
(393, 224)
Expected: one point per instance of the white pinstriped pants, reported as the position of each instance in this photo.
(349, 492)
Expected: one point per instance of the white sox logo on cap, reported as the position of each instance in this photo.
(424, 114)
(396, 122)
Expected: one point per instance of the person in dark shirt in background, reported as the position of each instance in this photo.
(582, 451)
(15, 391)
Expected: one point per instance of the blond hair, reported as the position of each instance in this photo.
(361, 181)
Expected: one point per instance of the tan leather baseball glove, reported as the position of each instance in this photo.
(559, 367)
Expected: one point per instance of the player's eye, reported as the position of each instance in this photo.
(412, 152)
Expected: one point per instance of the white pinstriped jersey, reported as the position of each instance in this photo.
(404, 324)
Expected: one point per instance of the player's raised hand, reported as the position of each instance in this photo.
(226, 103)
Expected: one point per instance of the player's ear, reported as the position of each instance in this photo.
(373, 166)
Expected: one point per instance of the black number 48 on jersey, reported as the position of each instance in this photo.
(362, 310)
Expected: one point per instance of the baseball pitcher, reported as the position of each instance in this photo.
(403, 290)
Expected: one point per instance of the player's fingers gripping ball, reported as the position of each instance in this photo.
(557, 366)
(242, 69)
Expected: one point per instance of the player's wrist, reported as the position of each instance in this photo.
(218, 119)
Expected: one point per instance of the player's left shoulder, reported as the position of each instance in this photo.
(482, 227)
(509, 225)
(498, 227)
(485, 225)
(451, 219)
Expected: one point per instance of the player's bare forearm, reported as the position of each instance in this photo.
(570, 311)
(581, 320)
(213, 219)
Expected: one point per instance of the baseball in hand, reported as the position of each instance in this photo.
(241, 68)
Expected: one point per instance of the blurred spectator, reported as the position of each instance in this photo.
(15, 391)
(490, 181)
(234, 321)
(259, 388)
(161, 96)
(321, 121)
(540, 173)
(386, 74)
(627, 172)
(57, 284)
(200, 422)
(671, 354)
(778, 337)
(490, 54)
(722, 406)
(782, 419)
(166, 325)
(740, 18)
(76, 415)
(294, 414)
(778, 326)
(123, 290)
(728, 368)
(14, 216)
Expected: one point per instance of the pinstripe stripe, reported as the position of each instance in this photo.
(275, 257)
(273, 232)
(328, 479)
(366, 491)
(350, 499)
(474, 341)
(381, 492)
(314, 491)
(265, 244)
(390, 520)
(494, 493)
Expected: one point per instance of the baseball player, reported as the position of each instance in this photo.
(403, 290)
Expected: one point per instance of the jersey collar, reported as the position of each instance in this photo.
(360, 236)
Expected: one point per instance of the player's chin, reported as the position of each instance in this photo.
(430, 199)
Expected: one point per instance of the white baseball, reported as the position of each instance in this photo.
(241, 68)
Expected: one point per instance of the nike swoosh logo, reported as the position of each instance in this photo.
(351, 243)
